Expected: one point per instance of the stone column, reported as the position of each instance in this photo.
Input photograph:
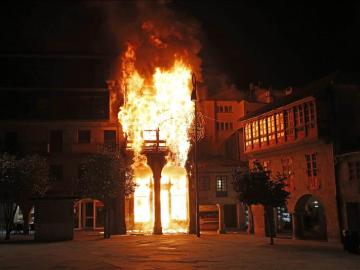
(119, 215)
(240, 216)
(293, 221)
(192, 206)
(259, 220)
(221, 218)
(156, 161)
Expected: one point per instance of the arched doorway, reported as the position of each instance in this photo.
(309, 218)
(89, 214)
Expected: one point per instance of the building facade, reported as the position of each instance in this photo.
(219, 156)
(300, 137)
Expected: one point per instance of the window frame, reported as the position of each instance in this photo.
(311, 160)
(221, 185)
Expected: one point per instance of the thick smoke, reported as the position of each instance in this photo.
(157, 34)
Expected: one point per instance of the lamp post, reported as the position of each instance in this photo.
(194, 98)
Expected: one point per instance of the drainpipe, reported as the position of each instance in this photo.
(336, 162)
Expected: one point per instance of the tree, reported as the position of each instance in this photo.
(20, 180)
(106, 176)
(258, 187)
(8, 187)
(34, 178)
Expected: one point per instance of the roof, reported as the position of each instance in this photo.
(228, 95)
(312, 89)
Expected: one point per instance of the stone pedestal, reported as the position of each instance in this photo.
(54, 218)
(156, 161)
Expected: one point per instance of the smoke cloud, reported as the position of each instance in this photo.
(156, 32)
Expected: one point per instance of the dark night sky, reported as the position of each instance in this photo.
(280, 44)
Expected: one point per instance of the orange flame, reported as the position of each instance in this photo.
(161, 102)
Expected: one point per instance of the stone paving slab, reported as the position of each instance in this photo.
(229, 251)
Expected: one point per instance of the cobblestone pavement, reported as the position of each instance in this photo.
(229, 251)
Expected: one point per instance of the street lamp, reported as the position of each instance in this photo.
(194, 98)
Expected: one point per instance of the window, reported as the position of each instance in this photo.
(354, 170)
(311, 114)
(301, 117)
(271, 127)
(248, 138)
(56, 173)
(223, 109)
(266, 165)
(263, 131)
(204, 183)
(279, 122)
(352, 174)
(221, 186)
(255, 133)
(84, 136)
(311, 169)
(288, 172)
(280, 126)
(56, 141)
(110, 138)
(222, 124)
(289, 122)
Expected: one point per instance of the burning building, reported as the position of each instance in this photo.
(156, 118)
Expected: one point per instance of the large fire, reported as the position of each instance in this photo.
(158, 110)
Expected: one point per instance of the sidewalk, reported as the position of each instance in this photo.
(210, 251)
